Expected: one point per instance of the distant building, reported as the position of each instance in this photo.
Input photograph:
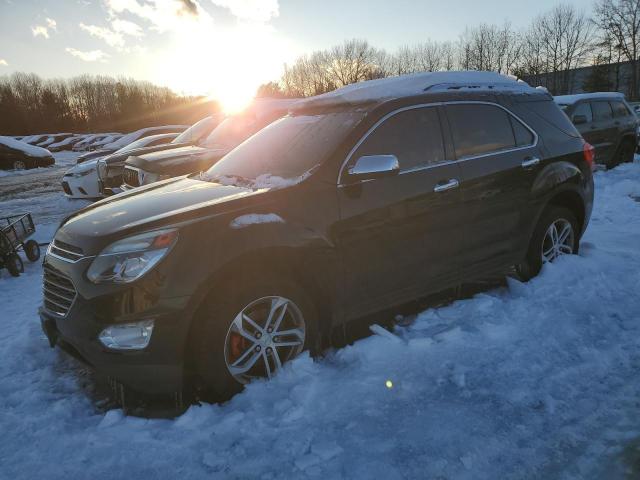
(615, 77)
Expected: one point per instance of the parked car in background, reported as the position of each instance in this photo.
(66, 144)
(99, 143)
(358, 201)
(34, 139)
(606, 121)
(82, 180)
(17, 155)
(53, 139)
(143, 132)
(111, 167)
(91, 138)
(150, 168)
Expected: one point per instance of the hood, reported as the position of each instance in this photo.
(179, 161)
(83, 169)
(159, 204)
(122, 157)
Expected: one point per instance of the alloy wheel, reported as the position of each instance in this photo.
(558, 240)
(262, 337)
(19, 165)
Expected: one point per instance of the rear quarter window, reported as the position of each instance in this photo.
(549, 112)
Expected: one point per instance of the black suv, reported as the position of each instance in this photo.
(607, 122)
(356, 202)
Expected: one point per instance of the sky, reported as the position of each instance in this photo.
(222, 48)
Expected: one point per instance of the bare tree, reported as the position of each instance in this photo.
(620, 21)
(489, 47)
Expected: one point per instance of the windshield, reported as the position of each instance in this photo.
(142, 142)
(287, 149)
(233, 131)
(196, 131)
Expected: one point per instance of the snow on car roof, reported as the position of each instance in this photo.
(571, 99)
(130, 137)
(415, 84)
(28, 149)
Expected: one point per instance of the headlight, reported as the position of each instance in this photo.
(102, 170)
(127, 260)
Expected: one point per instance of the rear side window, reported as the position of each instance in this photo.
(583, 109)
(479, 129)
(413, 136)
(619, 109)
(601, 111)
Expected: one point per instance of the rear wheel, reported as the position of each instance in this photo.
(556, 234)
(625, 154)
(250, 331)
(19, 165)
(32, 250)
(14, 264)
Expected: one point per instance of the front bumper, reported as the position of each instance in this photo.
(157, 369)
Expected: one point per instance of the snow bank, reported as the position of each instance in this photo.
(536, 380)
(30, 150)
(255, 218)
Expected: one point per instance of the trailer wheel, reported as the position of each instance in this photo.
(32, 250)
(14, 264)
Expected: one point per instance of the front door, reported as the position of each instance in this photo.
(400, 236)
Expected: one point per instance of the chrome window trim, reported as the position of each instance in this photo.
(444, 162)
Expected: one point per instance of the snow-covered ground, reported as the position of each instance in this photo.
(537, 380)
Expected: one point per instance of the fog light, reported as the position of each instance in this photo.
(127, 336)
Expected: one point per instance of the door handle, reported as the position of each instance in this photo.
(530, 162)
(448, 185)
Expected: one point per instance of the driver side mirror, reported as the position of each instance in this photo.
(374, 166)
(579, 119)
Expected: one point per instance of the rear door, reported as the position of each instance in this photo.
(499, 158)
(605, 131)
(623, 119)
(587, 129)
(400, 236)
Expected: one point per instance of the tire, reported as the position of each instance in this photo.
(624, 154)
(19, 165)
(32, 250)
(218, 344)
(533, 261)
(14, 264)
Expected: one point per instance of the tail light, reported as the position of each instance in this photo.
(589, 154)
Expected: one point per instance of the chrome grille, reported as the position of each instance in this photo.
(65, 251)
(130, 177)
(59, 292)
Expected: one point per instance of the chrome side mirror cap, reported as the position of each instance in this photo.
(374, 166)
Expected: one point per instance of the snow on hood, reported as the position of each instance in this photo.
(413, 84)
(30, 150)
(82, 169)
(265, 181)
(255, 218)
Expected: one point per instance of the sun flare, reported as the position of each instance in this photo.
(226, 64)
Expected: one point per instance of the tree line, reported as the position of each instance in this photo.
(554, 43)
(30, 104)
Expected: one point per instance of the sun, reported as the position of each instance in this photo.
(226, 64)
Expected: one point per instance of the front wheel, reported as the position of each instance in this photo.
(556, 234)
(32, 250)
(249, 331)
